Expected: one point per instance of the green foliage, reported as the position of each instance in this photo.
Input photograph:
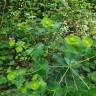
(87, 42)
(46, 22)
(47, 48)
(73, 40)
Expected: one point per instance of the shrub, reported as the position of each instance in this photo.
(47, 48)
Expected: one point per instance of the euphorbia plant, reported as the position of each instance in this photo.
(40, 53)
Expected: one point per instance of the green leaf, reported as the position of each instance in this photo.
(34, 94)
(91, 92)
(44, 66)
(14, 74)
(43, 86)
(38, 51)
(56, 88)
(19, 49)
(29, 51)
(73, 40)
(56, 1)
(37, 83)
(92, 76)
(58, 58)
(1, 62)
(20, 43)
(23, 89)
(11, 76)
(3, 79)
(11, 42)
(87, 42)
(34, 85)
(47, 22)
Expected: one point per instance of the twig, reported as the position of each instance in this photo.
(64, 75)
(79, 62)
(80, 78)
(75, 82)
(58, 66)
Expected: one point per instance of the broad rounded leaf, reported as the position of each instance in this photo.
(43, 85)
(19, 49)
(34, 85)
(73, 40)
(46, 22)
(11, 42)
(23, 89)
(87, 42)
(11, 76)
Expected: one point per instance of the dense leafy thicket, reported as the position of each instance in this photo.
(47, 48)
